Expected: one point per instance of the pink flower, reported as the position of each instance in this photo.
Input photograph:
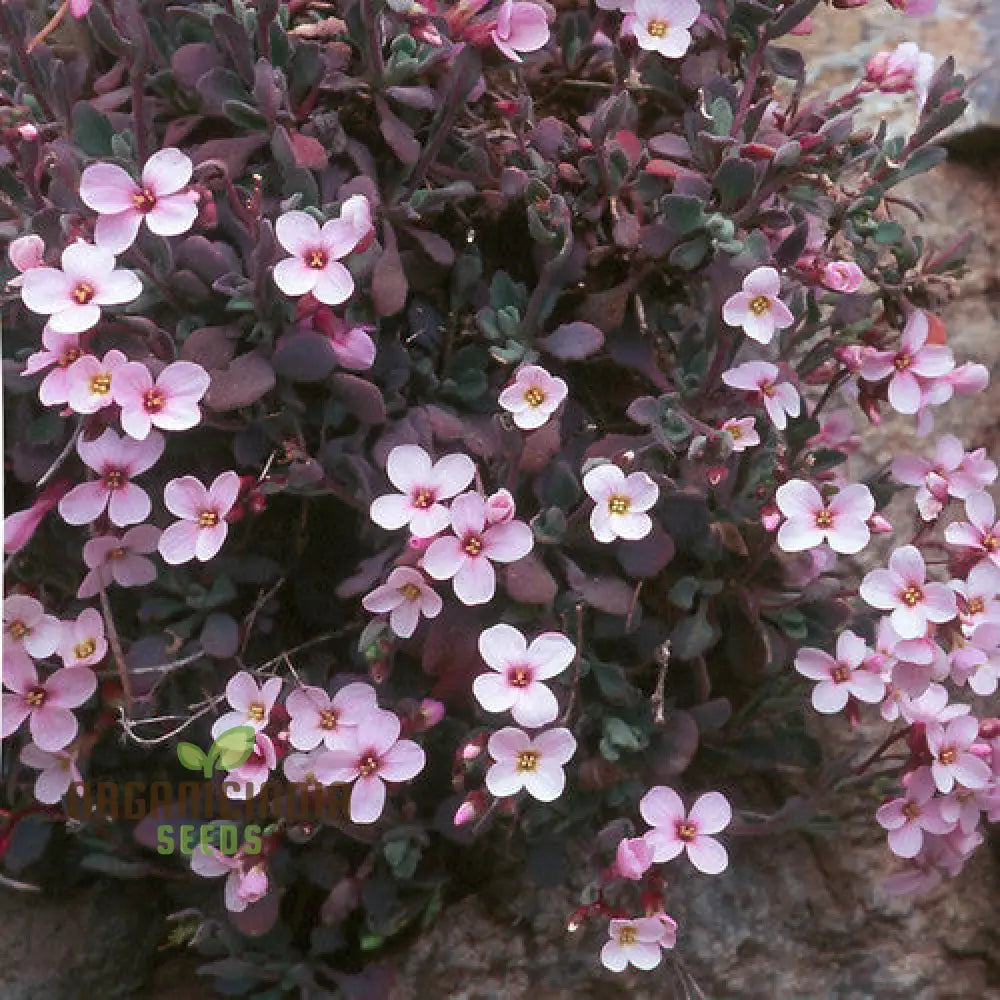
(422, 487)
(620, 502)
(253, 773)
(59, 771)
(633, 858)
(202, 528)
(905, 68)
(534, 395)
(951, 473)
(841, 522)
(467, 556)
(26, 253)
(758, 308)
(80, 8)
(761, 379)
(90, 382)
(932, 707)
(532, 764)
(27, 630)
(73, 296)
(116, 460)
(635, 942)
(246, 875)
(978, 604)
(515, 685)
(317, 718)
(251, 703)
(316, 253)
(952, 762)
(914, 358)
(743, 431)
(662, 25)
(47, 703)
(981, 533)
(312, 768)
(962, 807)
(843, 276)
(520, 27)
(406, 596)
(370, 755)
(675, 831)
(170, 403)
(841, 678)
(903, 590)
(20, 527)
(352, 345)
(83, 643)
(60, 351)
(119, 559)
(160, 197)
(907, 818)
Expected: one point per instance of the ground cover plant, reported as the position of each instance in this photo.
(429, 430)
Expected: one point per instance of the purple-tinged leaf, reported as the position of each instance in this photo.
(361, 398)
(242, 382)
(398, 135)
(389, 285)
(304, 357)
(646, 558)
(573, 341)
(529, 581)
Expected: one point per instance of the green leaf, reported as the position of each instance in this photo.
(191, 756)
(92, 132)
(233, 747)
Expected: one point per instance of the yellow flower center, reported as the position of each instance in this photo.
(317, 259)
(977, 606)
(100, 385)
(114, 479)
(619, 504)
(760, 304)
(153, 400)
(627, 935)
(36, 697)
(686, 831)
(83, 293)
(117, 554)
(767, 388)
(534, 396)
(423, 499)
(902, 362)
(410, 591)
(912, 596)
(473, 545)
(657, 27)
(69, 356)
(208, 519)
(519, 677)
(948, 756)
(840, 674)
(527, 761)
(911, 810)
(84, 649)
(328, 720)
(144, 200)
(368, 765)
(735, 432)
(824, 519)
(255, 713)
(18, 630)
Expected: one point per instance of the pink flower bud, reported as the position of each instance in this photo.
(770, 517)
(500, 507)
(879, 525)
(465, 813)
(843, 276)
(633, 858)
(28, 132)
(430, 713)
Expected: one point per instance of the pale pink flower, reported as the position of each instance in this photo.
(837, 432)
(903, 590)
(161, 198)
(312, 768)
(90, 381)
(370, 755)
(422, 487)
(981, 533)
(977, 595)
(83, 643)
(59, 771)
(758, 307)
(116, 460)
(251, 703)
(255, 771)
(45, 703)
(743, 431)
(352, 344)
(73, 295)
(317, 718)
(843, 276)
(170, 402)
(25, 253)
(119, 559)
(533, 396)
(518, 670)
(633, 858)
(406, 596)
(60, 350)
(915, 357)
(952, 762)
(780, 399)
(932, 707)
(532, 764)
(20, 526)
(520, 27)
(467, 556)
(635, 942)
(841, 522)
(620, 502)
(246, 875)
(27, 630)
(841, 678)
(906, 818)
(898, 71)
(662, 25)
(316, 253)
(963, 807)
(675, 831)
(500, 507)
(968, 379)
(951, 473)
(202, 528)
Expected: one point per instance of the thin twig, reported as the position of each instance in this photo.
(116, 646)
(662, 657)
(61, 457)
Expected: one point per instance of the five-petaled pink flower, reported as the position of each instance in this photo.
(907, 817)
(532, 764)
(116, 460)
(903, 590)
(406, 596)
(675, 831)
(518, 669)
(25, 253)
(90, 381)
(758, 307)
(161, 197)
(533, 396)
(780, 399)
(422, 487)
(121, 559)
(370, 755)
(170, 402)
(977, 595)
(202, 528)
(48, 703)
(58, 772)
(915, 357)
(59, 351)
(317, 718)
(316, 253)
(251, 703)
(841, 522)
(843, 276)
(27, 630)
(981, 533)
(952, 472)
(662, 25)
(952, 761)
(840, 678)
(467, 556)
(520, 27)
(638, 941)
(83, 643)
(73, 295)
(743, 431)
(620, 502)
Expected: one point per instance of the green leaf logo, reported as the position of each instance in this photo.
(233, 747)
(192, 757)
